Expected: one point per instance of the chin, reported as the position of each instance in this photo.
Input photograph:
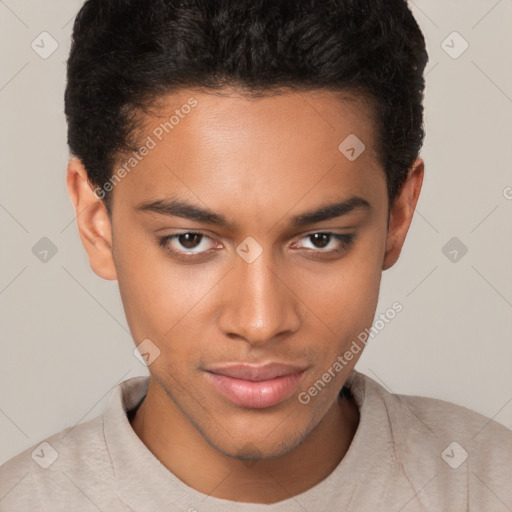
(258, 446)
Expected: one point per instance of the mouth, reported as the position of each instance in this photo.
(255, 387)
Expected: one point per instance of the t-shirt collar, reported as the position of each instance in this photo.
(144, 483)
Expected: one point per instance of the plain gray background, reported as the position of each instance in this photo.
(65, 342)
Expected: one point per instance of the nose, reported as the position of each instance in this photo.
(258, 303)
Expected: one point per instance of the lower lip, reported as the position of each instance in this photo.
(255, 395)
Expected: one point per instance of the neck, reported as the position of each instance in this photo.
(183, 450)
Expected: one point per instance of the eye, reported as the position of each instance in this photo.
(188, 243)
(326, 242)
(191, 244)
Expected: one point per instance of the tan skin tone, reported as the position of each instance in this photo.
(258, 162)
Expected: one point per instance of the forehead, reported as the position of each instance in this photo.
(230, 116)
(278, 149)
(342, 112)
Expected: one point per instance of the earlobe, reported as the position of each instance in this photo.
(401, 213)
(94, 224)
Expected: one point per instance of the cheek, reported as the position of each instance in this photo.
(347, 308)
(345, 296)
(160, 297)
(144, 284)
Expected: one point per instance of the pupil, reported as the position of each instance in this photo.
(189, 240)
(322, 238)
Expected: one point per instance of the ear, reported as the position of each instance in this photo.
(93, 221)
(401, 212)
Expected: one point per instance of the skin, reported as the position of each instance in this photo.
(258, 162)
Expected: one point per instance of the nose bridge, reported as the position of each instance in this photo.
(259, 305)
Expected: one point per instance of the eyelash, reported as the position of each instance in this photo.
(346, 242)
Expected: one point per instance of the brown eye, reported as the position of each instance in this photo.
(326, 244)
(320, 240)
(189, 240)
(187, 244)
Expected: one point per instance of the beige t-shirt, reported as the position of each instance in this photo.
(408, 454)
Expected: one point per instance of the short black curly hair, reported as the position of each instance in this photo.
(126, 54)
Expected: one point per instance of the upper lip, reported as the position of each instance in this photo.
(256, 373)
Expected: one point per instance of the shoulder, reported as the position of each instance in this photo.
(445, 420)
(463, 449)
(413, 415)
(56, 470)
(446, 451)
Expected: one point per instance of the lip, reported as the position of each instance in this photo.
(255, 387)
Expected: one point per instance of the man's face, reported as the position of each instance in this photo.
(262, 288)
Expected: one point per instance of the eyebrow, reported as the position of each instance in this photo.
(174, 207)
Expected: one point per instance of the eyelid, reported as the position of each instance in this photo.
(345, 239)
(164, 240)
